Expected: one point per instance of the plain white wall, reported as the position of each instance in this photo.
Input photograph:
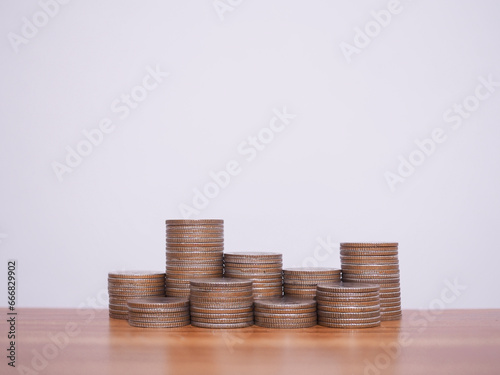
(321, 179)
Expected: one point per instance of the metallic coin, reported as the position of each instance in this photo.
(221, 294)
(344, 315)
(323, 302)
(379, 282)
(137, 281)
(368, 244)
(222, 325)
(255, 270)
(342, 286)
(217, 310)
(370, 267)
(311, 270)
(136, 274)
(286, 325)
(139, 292)
(159, 325)
(300, 292)
(158, 319)
(367, 253)
(346, 309)
(211, 300)
(237, 265)
(221, 305)
(148, 310)
(252, 257)
(204, 268)
(388, 300)
(119, 307)
(195, 251)
(220, 282)
(118, 316)
(371, 274)
(187, 233)
(192, 275)
(259, 296)
(348, 325)
(285, 316)
(157, 302)
(349, 320)
(347, 294)
(322, 299)
(284, 303)
(198, 319)
(185, 222)
(211, 315)
(261, 278)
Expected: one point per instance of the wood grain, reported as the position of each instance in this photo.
(442, 342)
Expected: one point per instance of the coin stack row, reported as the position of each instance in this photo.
(285, 312)
(221, 303)
(194, 250)
(348, 305)
(263, 268)
(375, 263)
(158, 312)
(301, 282)
(125, 285)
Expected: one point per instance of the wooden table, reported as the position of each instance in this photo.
(71, 342)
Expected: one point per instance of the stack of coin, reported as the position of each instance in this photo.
(263, 268)
(221, 303)
(285, 312)
(348, 305)
(125, 285)
(158, 312)
(194, 250)
(301, 282)
(375, 263)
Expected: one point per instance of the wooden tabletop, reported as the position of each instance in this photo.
(70, 342)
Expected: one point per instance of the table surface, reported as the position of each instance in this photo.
(63, 341)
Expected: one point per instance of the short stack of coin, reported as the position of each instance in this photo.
(124, 285)
(263, 268)
(375, 263)
(158, 312)
(194, 250)
(301, 282)
(348, 305)
(285, 312)
(221, 303)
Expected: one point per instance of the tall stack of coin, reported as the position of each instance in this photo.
(285, 312)
(375, 263)
(301, 282)
(124, 285)
(348, 305)
(221, 303)
(194, 250)
(263, 268)
(158, 312)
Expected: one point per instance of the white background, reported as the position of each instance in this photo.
(322, 177)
